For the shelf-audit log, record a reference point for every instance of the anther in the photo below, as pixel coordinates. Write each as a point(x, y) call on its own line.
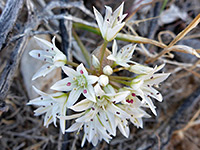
point(117, 112)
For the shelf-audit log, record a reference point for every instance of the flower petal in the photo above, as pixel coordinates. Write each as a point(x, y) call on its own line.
point(66, 84)
point(74, 127)
point(71, 116)
point(117, 111)
point(91, 79)
point(81, 70)
point(43, 71)
point(41, 55)
point(73, 96)
point(69, 71)
point(99, 19)
point(82, 105)
point(44, 44)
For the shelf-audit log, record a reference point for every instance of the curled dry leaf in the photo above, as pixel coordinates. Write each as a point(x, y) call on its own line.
point(184, 49)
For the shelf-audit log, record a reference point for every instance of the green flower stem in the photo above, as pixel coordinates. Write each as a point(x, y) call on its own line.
point(86, 27)
point(75, 65)
point(82, 47)
point(114, 86)
point(121, 81)
point(72, 63)
point(120, 78)
point(121, 36)
point(114, 64)
point(102, 52)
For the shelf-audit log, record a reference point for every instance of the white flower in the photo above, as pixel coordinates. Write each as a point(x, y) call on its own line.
point(112, 22)
point(123, 56)
point(142, 85)
point(103, 80)
point(53, 105)
point(132, 105)
point(50, 54)
point(77, 82)
point(101, 118)
point(107, 70)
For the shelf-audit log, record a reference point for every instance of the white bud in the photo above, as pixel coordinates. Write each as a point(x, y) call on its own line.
point(107, 70)
point(95, 62)
point(103, 80)
point(140, 69)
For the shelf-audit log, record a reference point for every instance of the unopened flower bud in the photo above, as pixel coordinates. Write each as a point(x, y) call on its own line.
point(107, 70)
point(140, 69)
point(103, 80)
point(95, 62)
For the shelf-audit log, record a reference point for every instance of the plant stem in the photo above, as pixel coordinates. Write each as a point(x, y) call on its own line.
point(102, 52)
point(75, 65)
point(121, 81)
point(120, 78)
point(82, 47)
point(121, 36)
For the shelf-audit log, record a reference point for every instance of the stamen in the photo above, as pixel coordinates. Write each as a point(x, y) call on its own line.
point(133, 94)
point(131, 101)
point(85, 91)
point(117, 112)
point(81, 71)
point(69, 83)
point(151, 77)
point(118, 18)
point(45, 59)
point(157, 93)
point(107, 19)
point(38, 54)
point(91, 119)
point(93, 108)
point(74, 78)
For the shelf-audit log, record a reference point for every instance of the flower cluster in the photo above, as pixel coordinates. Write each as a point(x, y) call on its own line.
point(111, 101)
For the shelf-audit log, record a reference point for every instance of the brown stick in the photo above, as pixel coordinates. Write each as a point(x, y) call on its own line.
point(8, 18)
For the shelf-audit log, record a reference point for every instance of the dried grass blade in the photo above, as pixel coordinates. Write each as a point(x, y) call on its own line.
point(192, 25)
